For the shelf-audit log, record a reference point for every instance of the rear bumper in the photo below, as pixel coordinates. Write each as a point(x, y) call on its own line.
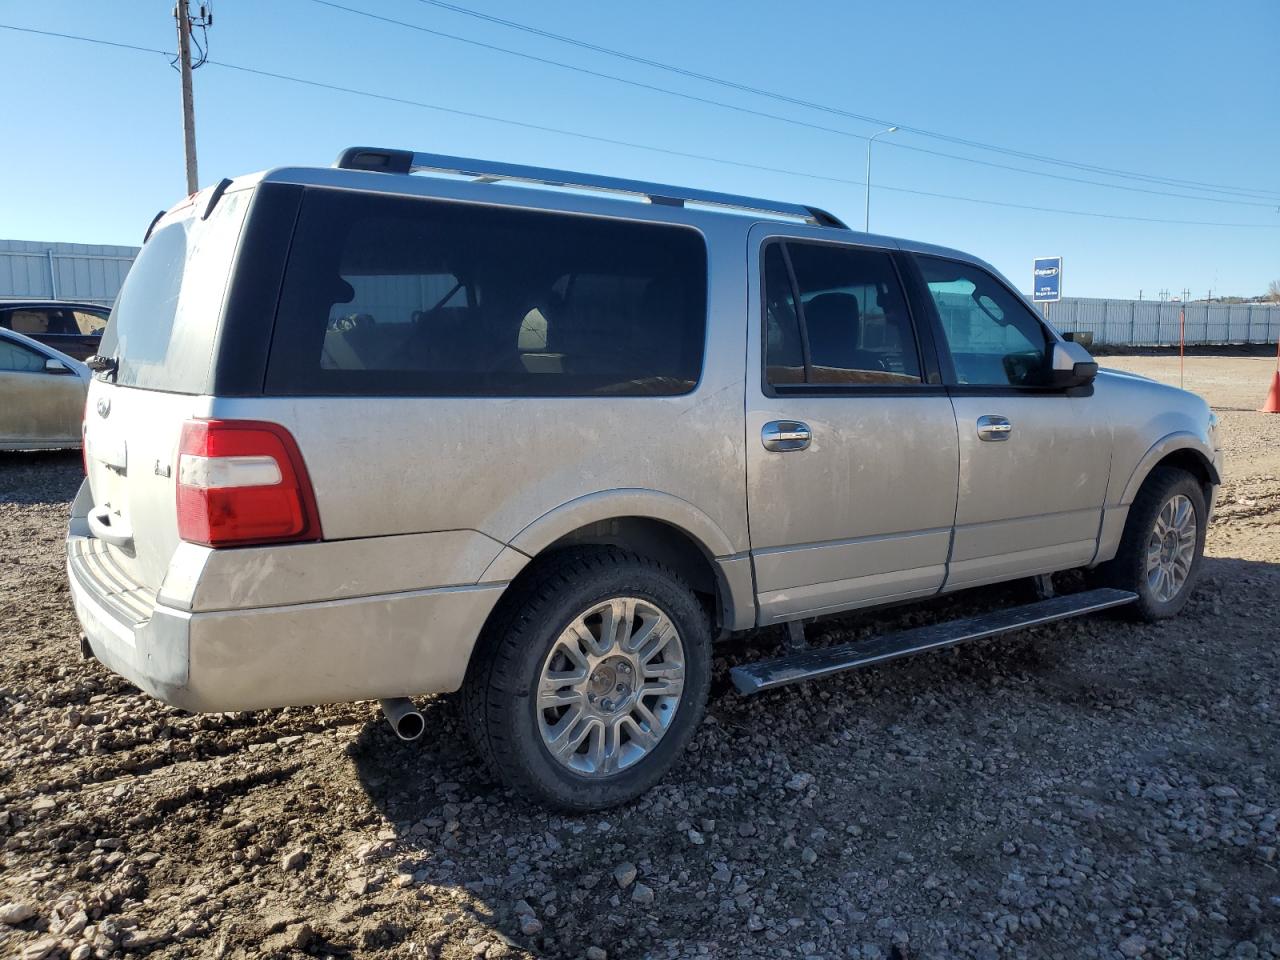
point(356, 648)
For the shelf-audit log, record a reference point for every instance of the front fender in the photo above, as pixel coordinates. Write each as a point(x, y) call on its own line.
point(1171, 443)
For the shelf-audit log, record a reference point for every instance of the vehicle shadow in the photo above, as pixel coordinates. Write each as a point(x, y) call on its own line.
point(544, 881)
point(40, 476)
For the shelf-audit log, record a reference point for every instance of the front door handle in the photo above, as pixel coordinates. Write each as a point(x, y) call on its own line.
point(782, 436)
point(994, 427)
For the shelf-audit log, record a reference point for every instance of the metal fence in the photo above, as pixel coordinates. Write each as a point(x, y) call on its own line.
point(94, 273)
point(1150, 323)
point(86, 272)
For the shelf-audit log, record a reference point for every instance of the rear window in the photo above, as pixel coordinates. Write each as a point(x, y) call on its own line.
point(163, 324)
point(395, 296)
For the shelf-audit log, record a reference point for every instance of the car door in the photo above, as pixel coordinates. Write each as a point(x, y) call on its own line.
point(1034, 461)
point(84, 331)
point(851, 442)
point(37, 405)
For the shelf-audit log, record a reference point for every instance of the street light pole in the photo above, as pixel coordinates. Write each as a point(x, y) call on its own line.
point(867, 223)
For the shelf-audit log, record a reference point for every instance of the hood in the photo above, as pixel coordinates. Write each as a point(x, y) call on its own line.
point(1124, 374)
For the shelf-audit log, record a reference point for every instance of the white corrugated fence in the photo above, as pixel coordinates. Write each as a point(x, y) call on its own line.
point(88, 272)
point(1153, 323)
point(94, 273)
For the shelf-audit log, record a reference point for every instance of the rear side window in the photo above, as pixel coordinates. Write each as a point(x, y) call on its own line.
point(34, 322)
point(18, 357)
point(49, 321)
point(163, 324)
point(854, 328)
point(390, 296)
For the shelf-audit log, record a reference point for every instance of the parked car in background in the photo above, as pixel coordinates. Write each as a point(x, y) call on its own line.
point(72, 328)
point(42, 395)
point(357, 434)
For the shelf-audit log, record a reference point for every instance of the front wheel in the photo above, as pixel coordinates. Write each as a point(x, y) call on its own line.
point(1162, 545)
point(590, 681)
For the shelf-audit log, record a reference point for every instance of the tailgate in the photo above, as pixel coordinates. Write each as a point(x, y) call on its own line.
point(161, 337)
point(131, 451)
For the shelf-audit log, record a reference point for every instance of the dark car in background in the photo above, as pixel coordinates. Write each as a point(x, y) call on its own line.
point(72, 328)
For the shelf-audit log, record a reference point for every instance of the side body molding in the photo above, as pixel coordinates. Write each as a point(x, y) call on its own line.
point(733, 567)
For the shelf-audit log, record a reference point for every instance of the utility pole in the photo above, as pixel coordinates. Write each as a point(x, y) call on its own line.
point(186, 25)
point(183, 16)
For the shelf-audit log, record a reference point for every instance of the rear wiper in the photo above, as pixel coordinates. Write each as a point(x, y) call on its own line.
point(100, 364)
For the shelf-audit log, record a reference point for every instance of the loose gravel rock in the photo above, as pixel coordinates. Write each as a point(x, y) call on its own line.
point(1092, 789)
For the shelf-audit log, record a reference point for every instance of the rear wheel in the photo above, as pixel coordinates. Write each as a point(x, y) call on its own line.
point(1162, 545)
point(590, 681)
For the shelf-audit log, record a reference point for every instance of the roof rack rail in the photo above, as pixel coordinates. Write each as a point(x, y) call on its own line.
point(488, 171)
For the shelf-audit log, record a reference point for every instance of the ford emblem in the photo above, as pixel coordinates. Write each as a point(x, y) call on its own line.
point(104, 406)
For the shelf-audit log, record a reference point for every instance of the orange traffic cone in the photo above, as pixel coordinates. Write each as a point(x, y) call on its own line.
point(1272, 404)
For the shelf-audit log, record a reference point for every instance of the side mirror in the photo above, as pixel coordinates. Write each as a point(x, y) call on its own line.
point(53, 365)
point(1070, 365)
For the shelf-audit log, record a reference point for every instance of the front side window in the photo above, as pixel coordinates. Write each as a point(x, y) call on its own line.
point(88, 324)
point(391, 296)
point(994, 339)
point(852, 315)
point(17, 357)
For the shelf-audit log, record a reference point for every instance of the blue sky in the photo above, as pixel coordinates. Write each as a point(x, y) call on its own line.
point(1173, 89)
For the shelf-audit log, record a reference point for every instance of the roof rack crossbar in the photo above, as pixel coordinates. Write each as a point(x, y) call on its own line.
point(488, 171)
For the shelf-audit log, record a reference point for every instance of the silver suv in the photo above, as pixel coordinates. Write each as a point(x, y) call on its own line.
point(359, 434)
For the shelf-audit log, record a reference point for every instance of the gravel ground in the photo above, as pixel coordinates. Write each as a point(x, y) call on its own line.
point(1090, 789)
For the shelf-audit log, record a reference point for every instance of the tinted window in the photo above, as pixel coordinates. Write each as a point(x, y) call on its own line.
point(784, 347)
point(856, 325)
point(88, 324)
point(993, 337)
point(34, 322)
point(164, 321)
point(394, 296)
point(19, 357)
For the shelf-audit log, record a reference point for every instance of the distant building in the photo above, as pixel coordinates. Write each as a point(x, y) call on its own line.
point(87, 272)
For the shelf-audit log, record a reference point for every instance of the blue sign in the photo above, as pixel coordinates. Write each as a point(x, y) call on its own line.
point(1046, 283)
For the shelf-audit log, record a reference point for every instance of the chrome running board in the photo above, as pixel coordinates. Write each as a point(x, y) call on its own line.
point(814, 664)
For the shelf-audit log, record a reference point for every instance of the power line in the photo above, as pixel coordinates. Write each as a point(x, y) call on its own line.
point(1257, 193)
point(524, 124)
point(72, 36)
point(771, 116)
point(712, 159)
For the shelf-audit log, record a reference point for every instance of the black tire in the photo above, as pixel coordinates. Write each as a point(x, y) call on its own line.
point(498, 700)
point(1128, 570)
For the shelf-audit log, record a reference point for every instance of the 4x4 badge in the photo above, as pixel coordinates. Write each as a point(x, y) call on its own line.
point(104, 406)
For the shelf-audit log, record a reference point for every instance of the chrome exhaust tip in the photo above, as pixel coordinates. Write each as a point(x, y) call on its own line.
point(404, 718)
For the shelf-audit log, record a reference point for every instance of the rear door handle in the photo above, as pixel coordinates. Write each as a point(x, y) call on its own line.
point(994, 427)
point(782, 436)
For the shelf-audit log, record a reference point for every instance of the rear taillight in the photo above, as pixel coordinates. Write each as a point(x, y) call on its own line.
point(242, 482)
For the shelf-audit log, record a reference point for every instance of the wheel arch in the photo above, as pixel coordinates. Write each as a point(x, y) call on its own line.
point(1184, 450)
point(661, 526)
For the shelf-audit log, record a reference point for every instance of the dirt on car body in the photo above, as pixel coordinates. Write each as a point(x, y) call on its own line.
point(1087, 789)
